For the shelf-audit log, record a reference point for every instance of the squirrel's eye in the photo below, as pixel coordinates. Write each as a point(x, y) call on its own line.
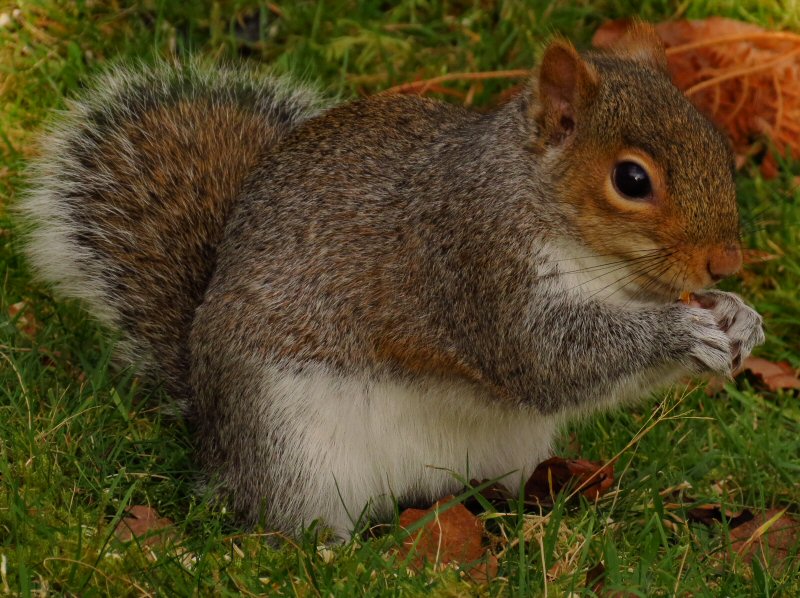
point(631, 180)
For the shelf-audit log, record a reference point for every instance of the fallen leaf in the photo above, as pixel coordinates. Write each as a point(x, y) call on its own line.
point(677, 500)
point(712, 513)
point(452, 536)
point(555, 475)
point(595, 578)
point(144, 524)
point(548, 479)
point(483, 572)
point(775, 376)
point(773, 536)
point(21, 313)
point(47, 357)
point(744, 77)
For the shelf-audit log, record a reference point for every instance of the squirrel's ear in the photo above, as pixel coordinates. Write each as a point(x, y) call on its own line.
point(566, 83)
point(641, 43)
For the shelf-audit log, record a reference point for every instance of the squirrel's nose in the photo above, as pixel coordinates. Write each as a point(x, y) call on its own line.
point(724, 261)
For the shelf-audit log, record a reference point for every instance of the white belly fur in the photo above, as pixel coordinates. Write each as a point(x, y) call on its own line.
point(365, 441)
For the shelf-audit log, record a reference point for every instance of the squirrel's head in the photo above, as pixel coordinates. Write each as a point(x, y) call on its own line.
point(651, 179)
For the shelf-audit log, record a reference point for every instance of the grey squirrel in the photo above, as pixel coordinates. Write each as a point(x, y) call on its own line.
point(353, 302)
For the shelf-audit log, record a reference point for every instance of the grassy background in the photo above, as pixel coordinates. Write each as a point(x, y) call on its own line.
point(80, 440)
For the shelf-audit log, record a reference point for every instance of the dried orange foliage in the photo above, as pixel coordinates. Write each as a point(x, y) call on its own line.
point(747, 79)
point(551, 477)
point(145, 524)
point(775, 376)
point(453, 536)
point(22, 314)
point(590, 478)
point(772, 537)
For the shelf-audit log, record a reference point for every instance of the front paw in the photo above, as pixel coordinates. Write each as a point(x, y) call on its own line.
point(741, 323)
point(698, 341)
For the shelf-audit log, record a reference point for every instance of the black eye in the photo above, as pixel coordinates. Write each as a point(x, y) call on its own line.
point(631, 180)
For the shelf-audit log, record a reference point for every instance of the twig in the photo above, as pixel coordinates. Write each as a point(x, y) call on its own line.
point(729, 39)
point(744, 94)
point(742, 72)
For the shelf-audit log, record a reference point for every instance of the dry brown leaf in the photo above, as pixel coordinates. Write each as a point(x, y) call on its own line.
point(746, 78)
point(711, 513)
point(775, 376)
point(707, 513)
point(48, 358)
point(595, 578)
point(145, 524)
point(773, 536)
point(452, 536)
point(549, 478)
point(24, 318)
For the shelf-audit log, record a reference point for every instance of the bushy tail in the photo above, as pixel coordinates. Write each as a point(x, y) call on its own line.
point(131, 193)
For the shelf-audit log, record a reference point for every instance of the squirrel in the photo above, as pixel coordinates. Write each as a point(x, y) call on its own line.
point(354, 303)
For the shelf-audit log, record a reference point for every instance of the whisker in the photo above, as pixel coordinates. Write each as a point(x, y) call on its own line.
point(654, 259)
point(617, 253)
point(651, 283)
point(653, 276)
point(653, 272)
point(635, 273)
point(609, 264)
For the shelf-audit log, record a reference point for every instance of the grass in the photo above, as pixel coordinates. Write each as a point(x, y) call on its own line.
point(80, 440)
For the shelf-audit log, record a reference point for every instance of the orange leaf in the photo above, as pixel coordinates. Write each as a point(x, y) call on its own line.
point(772, 535)
point(710, 513)
point(143, 523)
point(557, 474)
point(775, 376)
point(453, 536)
point(25, 321)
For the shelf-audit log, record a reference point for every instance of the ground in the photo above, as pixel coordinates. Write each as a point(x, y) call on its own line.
point(82, 440)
